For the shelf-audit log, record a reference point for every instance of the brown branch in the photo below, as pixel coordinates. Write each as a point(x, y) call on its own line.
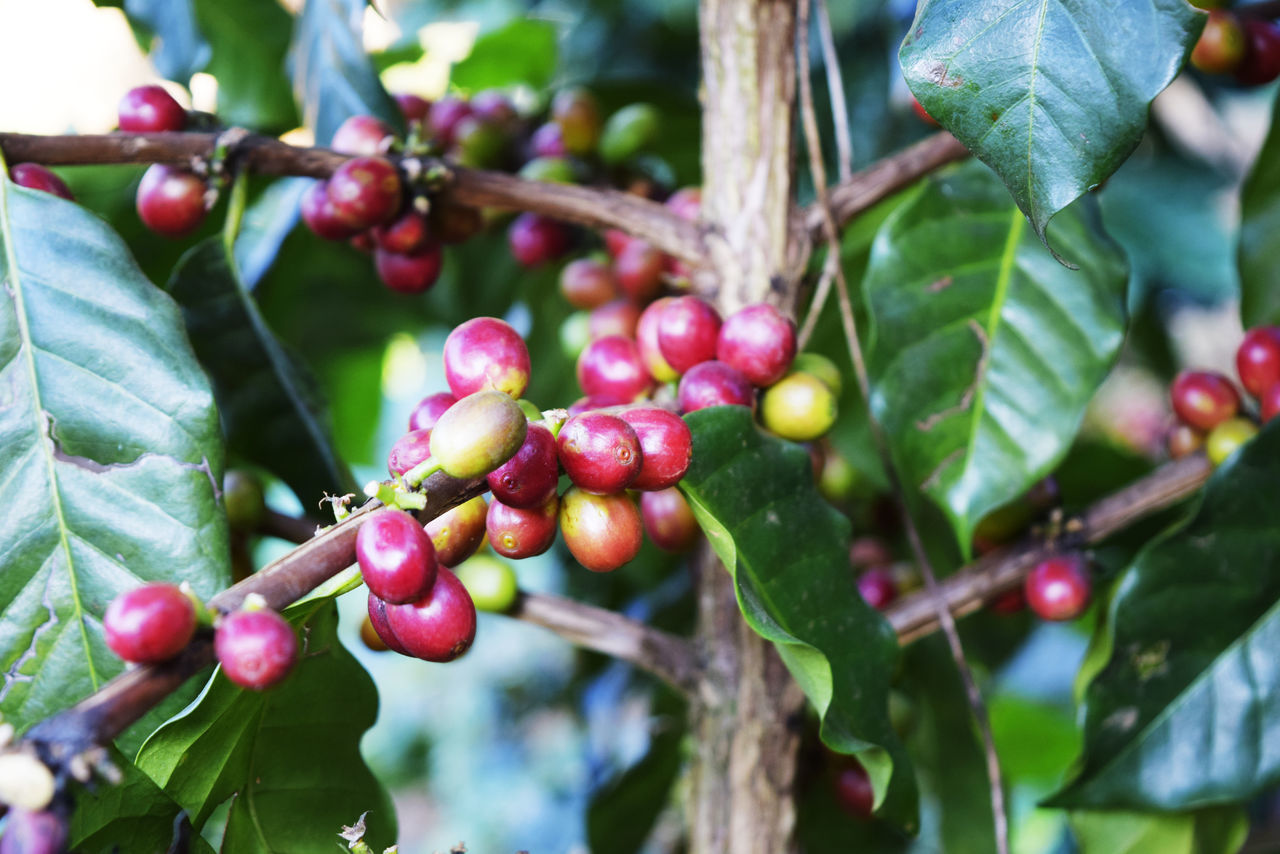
point(596, 208)
point(884, 178)
point(1004, 569)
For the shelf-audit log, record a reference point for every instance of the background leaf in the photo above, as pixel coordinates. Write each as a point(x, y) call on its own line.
point(788, 551)
point(272, 407)
point(523, 51)
point(984, 350)
point(167, 29)
point(1259, 222)
point(1191, 633)
point(109, 446)
point(1217, 830)
point(250, 42)
point(268, 219)
point(1051, 94)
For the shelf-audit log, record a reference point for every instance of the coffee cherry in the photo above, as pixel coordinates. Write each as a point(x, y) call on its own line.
point(530, 477)
point(486, 353)
point(170, 202)
point(619, 317)
point(494, 106)
point(687, 332)
point(1270, 403)
point(821, 367)
point(646, 335)
point(639, 269)
point(686, 203)
point(243, 498)
point(320, 215)
point(150, 109)
point(477, 434)
point(369, 636)
point(429, 409)
point(759, 341)
point(1058, 588)
point(799, 407)
point(406, 234)
point(396, 556)
point(878, 587)
point(615, 241)
point(866, 552)
point(714, 384)
point(922, 114)
point(361, 136)
point(1261, 63)
point(600, 452)
point(610, 368)
point(1224, 439)
point(438, 627)
point(149, 624)
point(413, 273)
point(1258, 359)
point(256, 649)
point(628, 132)
point(35, 177)
point(1221, 46)
point(33, 832)
point(666, 446)
point(575, 111)
point(1184, 440)
point(602, 531)
point(453, 224)
point(412, 107)
point(668, 519)
point(588, 283)
point(838, 479)
point(491, 583)
point(536, 240)
point(547, 141)
point(1204, 399)
point(457, 533)
point(551, 170)
point(853, 789)
point(479, 143)
point(409, 450)
point(1010, 602)
point(377, 619)
point(365, 191)
point(519, 533)
point(445, 116)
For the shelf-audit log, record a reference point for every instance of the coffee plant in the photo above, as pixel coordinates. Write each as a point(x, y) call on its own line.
point(866, 391)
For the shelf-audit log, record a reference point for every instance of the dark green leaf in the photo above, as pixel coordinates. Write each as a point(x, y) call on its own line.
point(1216, 830)
point(274, 413)
point(1259, 222)
point(133, 815)
point(264, 748)
point(524, 51)
point(1051, 94)
point(788, 551)
point(1189, 655)
point(110, 455)
point(333, 77)
point(250, 40)
point(267, 222)
point(984, 350)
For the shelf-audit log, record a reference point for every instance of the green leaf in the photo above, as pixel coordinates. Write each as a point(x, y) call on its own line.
point(250, 41)
point(1259, 219)
point(264, 748)
point(984, 351)
point(523, 51)
point(333, 77)
point(110, 455)
point(1051, 94)
point(132, 815)
point(273, 409)
point(787, 549)
point(1189, 658)
point(267, 222)
point(1217, 830)
point(167, 29)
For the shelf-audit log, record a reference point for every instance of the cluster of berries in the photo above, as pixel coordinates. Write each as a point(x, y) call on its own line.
point(1209, 408)
point(1245, 46)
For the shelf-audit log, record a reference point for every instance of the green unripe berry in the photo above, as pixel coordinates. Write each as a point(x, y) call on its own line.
point(799, 407)
point(477, 434)
point(242, 495)
point(553, 170)
point(1226, 437)
point(821, 367)
point(628, 132)
point(490, 581)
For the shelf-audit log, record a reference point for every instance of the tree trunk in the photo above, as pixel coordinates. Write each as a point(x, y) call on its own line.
point(747, 713)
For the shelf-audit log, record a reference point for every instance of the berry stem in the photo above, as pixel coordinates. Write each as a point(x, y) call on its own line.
point(235, 210)
point(423, 470)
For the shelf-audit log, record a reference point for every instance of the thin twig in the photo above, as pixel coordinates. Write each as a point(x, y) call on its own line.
point(593, 207)
point(835, 83)
point(976, 704)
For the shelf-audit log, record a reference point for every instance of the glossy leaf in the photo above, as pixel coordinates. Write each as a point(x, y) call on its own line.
point(250, 42)
point(264, 748)
point(1216, 830)
point(522, 52)
point(267, 222)
point(1181, 714)
point(272, 408)
point(167, 29)
point(1052, 94)
point(787, 549)
point(333, 77)
point(1259, 220)
point(110, 454)
point(984, 350)
point(132, 815)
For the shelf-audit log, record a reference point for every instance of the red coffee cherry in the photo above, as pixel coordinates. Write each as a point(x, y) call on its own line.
point(457, 533)
point(600, 452)
point(529, 478)
point(1261, 63)
point(588, 283)
point(1222, 44)
point(35, 177)
point(666, 446)
point(1010, 602)
point(438, 627)
point(610, 368)
point(536, 240)
point(714, 384)
point(320, 215)
point(33, 832)
point(1204, 399)
point(639, 269)
point(486, 353)
point(519, 533)
point(866, 552)
point(378, 621)
point(256, 649)
point(1258, 359)
point(361, 136)
point(878, 587)
point(686, 203)
point(613, 318)
point(853, 789)
point(406, 234)
point(170, 202)
point(453, 224)
point(365, 191)
point(547, 141)
point(149, 624)
point(446, 114)
point(150, 109)
point(412, 107)
point(602, 531)
point(647, 342)
point(687, 331)
point(1058, 588)
point(759, 341)
point(494, 106)
point(396, 556)
point(1270, 403)
point(429, 409)
point(409, 450)
point(412, 273)
point(668, 519)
